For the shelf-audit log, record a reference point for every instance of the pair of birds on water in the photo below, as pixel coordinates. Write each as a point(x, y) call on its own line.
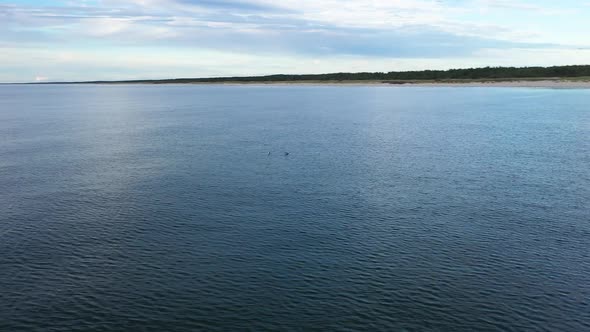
point(284, 154)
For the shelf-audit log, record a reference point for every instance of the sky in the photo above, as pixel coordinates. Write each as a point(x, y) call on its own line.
point(65, 40)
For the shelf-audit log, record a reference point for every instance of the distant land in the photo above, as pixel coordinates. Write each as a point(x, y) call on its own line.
point(578, 74)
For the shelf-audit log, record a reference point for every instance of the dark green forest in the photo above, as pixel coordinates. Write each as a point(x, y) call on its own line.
point(487, 73)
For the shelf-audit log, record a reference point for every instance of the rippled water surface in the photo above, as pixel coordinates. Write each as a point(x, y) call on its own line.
point(159, 208)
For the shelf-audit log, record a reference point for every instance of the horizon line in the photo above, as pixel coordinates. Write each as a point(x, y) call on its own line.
point(254, 77)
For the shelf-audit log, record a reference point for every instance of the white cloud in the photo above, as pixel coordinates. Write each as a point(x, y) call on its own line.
point(163, 38)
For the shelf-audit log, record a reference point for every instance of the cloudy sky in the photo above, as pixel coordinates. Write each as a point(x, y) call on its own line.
point(131, 39)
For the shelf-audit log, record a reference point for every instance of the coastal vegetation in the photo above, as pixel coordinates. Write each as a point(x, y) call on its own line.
point(452, 75)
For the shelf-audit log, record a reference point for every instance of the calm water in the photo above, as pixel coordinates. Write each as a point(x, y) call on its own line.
point(159, 208)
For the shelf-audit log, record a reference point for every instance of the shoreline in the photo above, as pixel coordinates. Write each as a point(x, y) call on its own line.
point(544, 83)
point(553, 84)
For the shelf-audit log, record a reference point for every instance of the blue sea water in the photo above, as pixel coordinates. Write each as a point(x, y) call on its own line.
point(175, 208)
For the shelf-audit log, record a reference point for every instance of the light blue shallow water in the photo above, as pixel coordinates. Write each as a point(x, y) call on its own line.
point(159, 208)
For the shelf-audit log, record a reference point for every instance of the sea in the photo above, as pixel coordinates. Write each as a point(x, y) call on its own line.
point(294, 208)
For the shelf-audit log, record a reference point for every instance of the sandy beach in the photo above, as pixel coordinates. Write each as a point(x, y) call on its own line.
point(541, 83)
point(553, 84)
point(548, 84)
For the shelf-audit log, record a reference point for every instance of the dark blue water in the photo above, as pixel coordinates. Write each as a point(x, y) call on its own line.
point(159, 208)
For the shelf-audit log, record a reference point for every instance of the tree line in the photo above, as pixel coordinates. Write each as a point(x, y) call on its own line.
point(491, 73)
